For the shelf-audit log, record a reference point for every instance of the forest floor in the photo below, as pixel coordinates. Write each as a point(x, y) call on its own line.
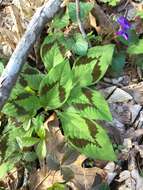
point(122, 87)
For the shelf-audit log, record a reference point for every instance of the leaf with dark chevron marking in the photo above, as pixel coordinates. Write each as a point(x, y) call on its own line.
point(89, 104)
point(86, 136)
point(51, 56)
point(30, 77)
point(56, 86)
point(89, 70)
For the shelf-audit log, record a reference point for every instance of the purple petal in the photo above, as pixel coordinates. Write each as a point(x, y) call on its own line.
point(123, 34)
point(123, 23)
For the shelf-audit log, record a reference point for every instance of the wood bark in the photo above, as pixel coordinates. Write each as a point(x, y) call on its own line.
point(20, 54)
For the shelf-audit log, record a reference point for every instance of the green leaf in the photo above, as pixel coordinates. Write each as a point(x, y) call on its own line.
point(18, 89)
point(28, 102)
point(4, 168)
point(24, 103)
point(89, 104)
point(89, 70)
point(56, 86)
point(118, 63)
point(86, 136)
point(111, 2)
point(50, 57)
point(102, 186)
point(104, 55)
point(39, 126)
point(10, 110)
point(80, 46)
point(136, 48)
point(61, 22)
point(1, 67)
point(14, 135)
point(83, 71)
point(85, 8)
point(29, 141)
point(30, 77)
point(12, 145)
point(27, 124)
point(132, 36)
point(139, 60)
point(102, 148)
point(15, 158)
point(75, 126)
point(29, 156)
point(140, 14)
point(41, 149)
point(57, 186)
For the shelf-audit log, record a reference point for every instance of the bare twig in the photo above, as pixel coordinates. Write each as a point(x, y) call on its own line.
point(17, 60)
point(37, 186)
point(80, 23)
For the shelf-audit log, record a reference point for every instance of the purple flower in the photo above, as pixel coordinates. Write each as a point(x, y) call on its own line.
point(124, 27)
point(124, 24)
point(123, 34)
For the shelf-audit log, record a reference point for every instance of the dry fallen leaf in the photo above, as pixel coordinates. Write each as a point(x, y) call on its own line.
point(8, 37)
point(93, 23)
point(84, 178)
point(17, 20)
point(43, 178)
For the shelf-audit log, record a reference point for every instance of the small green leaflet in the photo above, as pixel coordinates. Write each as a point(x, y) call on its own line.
point(41, 149)
point(15, 144)
point(60, 22)
point(85, 8)
point(111, 2)
point(80, 46)
point(51, 56)
point(27, 124)
point(29, 156)
point(89, 104)
point(86, 136)
point(58, 186)
point(89, 70)
point(30, 77)
point(1, 67)
point(56, 86)
point(4, 168)
point(18, 89)
point(27, 141)
point(39, 126)
point(118, 63)
point(136, 48)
